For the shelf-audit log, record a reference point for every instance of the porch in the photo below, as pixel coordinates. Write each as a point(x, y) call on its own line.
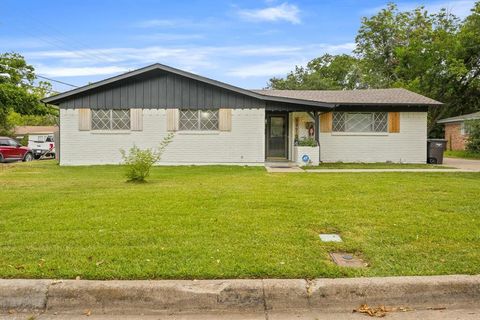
point(292, 138)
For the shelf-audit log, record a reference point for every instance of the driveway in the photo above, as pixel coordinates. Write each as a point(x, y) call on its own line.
point(462, 163)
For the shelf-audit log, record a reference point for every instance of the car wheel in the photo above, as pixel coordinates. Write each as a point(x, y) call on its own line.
point(1, 158)
point(28, 157)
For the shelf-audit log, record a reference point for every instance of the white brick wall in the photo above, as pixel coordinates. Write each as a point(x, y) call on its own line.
point(244, 144)
point(409, 146)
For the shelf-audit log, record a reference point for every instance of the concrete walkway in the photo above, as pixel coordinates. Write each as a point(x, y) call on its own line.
point(390, 170)
point(465, 164)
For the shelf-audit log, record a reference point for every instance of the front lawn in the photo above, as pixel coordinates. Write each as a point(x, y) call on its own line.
point(462, 154)
point(233, 222)
point(375, 165)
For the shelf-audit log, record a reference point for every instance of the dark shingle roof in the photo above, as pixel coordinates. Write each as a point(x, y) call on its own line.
point(470, 116)
point(355, 97)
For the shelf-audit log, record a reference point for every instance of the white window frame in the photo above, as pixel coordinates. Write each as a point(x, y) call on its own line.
point(198, 126)
point(111, 120)
point(342, 116)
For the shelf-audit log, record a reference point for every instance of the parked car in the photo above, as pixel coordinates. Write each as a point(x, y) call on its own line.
point(12, 150)
point(42, 144)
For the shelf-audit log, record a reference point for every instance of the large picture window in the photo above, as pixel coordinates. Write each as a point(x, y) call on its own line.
point(198, 120)
point(360, 122)
point(116, 119)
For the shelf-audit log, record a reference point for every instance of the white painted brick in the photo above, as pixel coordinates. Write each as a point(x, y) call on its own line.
point(244, 144)
point(408, 146)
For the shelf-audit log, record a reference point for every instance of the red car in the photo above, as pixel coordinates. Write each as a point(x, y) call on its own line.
point(11, 150)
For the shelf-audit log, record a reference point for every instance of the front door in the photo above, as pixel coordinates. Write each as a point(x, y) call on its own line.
point(277, 136)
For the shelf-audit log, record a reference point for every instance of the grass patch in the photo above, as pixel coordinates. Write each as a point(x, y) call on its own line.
point(462, 154)
point(233, 222)
point(375, 165)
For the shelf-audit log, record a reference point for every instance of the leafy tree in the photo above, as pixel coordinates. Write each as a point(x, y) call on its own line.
point(473, 141)
point(325, 72)
point(18, 92)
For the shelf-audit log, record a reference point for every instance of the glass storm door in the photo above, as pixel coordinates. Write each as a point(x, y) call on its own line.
point(277, 141)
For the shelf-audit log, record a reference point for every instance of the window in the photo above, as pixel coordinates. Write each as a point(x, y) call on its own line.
point(118, 119)
point(198, 120)
point(4, 143)
point(360, 122)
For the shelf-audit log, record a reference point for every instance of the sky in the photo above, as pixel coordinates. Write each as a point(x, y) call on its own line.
point(244, 43)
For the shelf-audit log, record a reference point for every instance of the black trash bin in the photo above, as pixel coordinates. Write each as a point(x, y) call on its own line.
point(435, 149)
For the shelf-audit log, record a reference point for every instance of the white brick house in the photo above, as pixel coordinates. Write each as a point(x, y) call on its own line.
point(216, 123)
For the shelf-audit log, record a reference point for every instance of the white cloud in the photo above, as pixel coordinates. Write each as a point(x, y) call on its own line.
point(227, 63)
point(78, 71)
point(266, 69)
point(171, 36)
point(285, 11)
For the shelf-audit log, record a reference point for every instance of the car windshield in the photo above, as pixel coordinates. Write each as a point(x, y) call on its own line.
point(14, 143)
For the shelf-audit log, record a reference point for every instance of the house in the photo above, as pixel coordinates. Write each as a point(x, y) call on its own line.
point(456, 133)
point(21, 131)
point(217, 123)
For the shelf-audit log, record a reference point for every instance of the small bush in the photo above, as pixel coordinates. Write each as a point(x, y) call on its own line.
point(138, 162)
point(473, 141)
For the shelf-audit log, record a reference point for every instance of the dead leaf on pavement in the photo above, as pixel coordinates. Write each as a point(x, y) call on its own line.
point(380, 311)
point(87, 312)
point(12, 311)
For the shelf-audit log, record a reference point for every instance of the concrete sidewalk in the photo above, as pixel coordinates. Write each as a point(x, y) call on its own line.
point(250, 296)
point(465, 164)
point(389, 170)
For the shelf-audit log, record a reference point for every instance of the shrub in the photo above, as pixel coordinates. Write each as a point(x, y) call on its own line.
point(473, 141)
point(138, 162)
point(307, 142)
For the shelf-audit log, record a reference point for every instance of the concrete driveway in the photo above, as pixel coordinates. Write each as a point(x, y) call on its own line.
point(462, 163)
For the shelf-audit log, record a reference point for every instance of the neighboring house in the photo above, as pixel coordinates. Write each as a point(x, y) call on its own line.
point(21, 131)
point(456, 133)
point(217, 123)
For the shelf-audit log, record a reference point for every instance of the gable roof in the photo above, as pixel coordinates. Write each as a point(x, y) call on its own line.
point(56, 99)
point(396, 96)
point(470, 116)
point(323, 99)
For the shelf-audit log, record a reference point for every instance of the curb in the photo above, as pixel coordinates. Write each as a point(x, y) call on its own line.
point(243, 296)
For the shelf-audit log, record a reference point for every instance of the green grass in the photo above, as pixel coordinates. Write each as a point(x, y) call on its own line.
point(376, 165)
point(462, 154)
point(233, 222)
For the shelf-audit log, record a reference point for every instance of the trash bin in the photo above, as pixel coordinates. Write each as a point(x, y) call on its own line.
point(435, 149)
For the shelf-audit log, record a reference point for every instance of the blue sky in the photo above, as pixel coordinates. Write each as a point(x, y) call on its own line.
point(239, 42)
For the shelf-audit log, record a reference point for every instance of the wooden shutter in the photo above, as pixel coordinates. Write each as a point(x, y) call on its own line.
point(136, 119)
point(394, 122)
point(225, 119)
point(326, 122)
point(172, 119)
point(84, 119)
